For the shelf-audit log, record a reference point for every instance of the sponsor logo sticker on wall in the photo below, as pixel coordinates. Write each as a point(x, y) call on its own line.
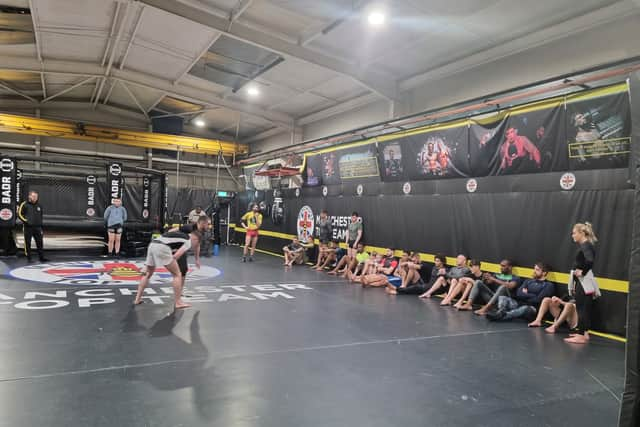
point(103, 273)
point(472, 185)
point(406, 188)
point(359, 190)
point(325, 191)
point(305, 224)
point(567, 181)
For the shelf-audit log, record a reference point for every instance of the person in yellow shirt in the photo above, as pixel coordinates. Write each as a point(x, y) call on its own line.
point(251, 221)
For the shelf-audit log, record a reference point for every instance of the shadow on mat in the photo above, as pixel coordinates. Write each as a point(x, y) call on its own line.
point(184, 367)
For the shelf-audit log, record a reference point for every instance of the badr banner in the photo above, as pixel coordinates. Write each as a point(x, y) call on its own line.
point(114, 181)
point(8, 172)
point(146, 197)
point(18, 186)
point(92, 183)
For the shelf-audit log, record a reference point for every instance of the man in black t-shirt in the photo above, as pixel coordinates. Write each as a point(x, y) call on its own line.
point(170, 251)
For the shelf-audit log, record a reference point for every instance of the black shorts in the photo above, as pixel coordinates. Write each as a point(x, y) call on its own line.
point(183, 265)
point(352, 244)
point(115, 229)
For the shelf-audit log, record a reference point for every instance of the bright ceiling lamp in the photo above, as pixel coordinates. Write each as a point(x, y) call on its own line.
point(253, 91)
point(376, 18)
point(199, 122)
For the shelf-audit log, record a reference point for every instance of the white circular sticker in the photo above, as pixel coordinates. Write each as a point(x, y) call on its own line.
point(91, 212)
point(305, 224)
point(325, 191)
point(359, 189)
point(297, 192)
point(115, 169)
point(406, 188)
point(145, 213)
point(6, 214)
point(104, 272)
point(567, 181)
point(6, 165)
point(472, 185)
point(91, 179)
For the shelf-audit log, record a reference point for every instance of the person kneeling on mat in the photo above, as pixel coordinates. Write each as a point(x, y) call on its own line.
point(114, 217)
point(170, 251)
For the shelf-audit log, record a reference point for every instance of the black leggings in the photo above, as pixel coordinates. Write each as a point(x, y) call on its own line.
point(36, 233)
point(417, 289)
point(584, 305)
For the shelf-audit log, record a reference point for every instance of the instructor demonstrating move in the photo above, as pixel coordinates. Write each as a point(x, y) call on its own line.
point(115, 217)
point(30, 212)
point(251, 221)
point(170, 251)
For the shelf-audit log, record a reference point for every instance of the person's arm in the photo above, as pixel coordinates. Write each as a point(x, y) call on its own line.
point(107, 212)
point(259, 221)
point(21, 213)
point(125, 215)
point(346, 236)
point(359, 236)
point(390, 269)
point(183, 249)
point(195, 244)
point(547, 290)
point(242, 221)
point(513, 284)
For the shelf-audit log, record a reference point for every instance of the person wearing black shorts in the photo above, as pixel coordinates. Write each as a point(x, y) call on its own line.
point(354, 234)
point(114, 217)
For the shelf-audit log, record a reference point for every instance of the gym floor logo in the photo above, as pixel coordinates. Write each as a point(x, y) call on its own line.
point(101, 273)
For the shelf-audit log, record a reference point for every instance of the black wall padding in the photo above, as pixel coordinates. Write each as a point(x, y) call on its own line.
point(630, 408)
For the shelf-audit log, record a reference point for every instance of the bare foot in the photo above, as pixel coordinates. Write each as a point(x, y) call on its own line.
point(465, 307)
point(534, 324)
point(550, 330)
point(445, 302)
point(332, 272)
point(425, 295)
point(138, 302)
point(577, 339)
point(181, 304)
point(480, 312)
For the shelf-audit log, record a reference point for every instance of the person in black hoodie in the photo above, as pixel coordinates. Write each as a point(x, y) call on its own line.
point(30, 212)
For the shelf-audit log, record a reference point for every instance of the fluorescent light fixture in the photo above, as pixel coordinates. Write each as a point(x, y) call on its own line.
point(253, 91)
point(199, 122)
point(376, 18)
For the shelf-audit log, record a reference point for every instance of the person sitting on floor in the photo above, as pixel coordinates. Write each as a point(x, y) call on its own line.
point(293, 252)
point(349, 263)
point(367, 267)
point(326, 256)
point(466, 284)
point(383, 271)
point(482, 289)
point(562, 309)
point(451, 279)
point(506, 284)
point(412, 283)
point(528, 297)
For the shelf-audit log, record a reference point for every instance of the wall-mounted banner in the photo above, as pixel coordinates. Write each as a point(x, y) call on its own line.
point(358, 162)
point(313, 171)
point(114, 181)
point(146, 197)
point(8, 172)
point(18, 186)
point(92, 182)
point(165, 198)
point(598, 131)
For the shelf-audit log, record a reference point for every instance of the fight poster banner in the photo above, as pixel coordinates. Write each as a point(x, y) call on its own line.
point(598, 130)
point(390, 158)
point(18, 186)
point(92, 183)
point(146, 197)
point(8, 172)
point(313, 170)
point(358, 162)
point(114, 181)
point(436, 154)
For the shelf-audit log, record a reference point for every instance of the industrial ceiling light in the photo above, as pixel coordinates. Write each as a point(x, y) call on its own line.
point(253, 91)
point(199, 122)
point(376, 18)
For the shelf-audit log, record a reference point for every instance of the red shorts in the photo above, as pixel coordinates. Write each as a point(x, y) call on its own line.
point(252, 233)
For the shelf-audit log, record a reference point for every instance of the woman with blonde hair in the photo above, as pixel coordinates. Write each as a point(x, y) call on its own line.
point(582, 284)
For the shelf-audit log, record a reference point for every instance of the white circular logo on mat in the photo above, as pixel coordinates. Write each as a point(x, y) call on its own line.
point(297, 192)
point(6, 214)
point(91, 212)
point(305, 224)
point(472, 185)
point(6, 165)
point(406, 188)
point(568, 181)
point(115, 169)
point(91, 179)
point(101, 273)
point(325, 191)
point(359, 189)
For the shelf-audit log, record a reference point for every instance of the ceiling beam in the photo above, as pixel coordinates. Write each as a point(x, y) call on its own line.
point(181, 91)
point(69, 89)
point(36, 30)
point(185, 113)
point(197, 58)
point(266, 134)
point(382, 84)
point(57, 108)
point(240, 8)
point(7, 86)
point(133, 36)
point(135, 100)
point(326, 27)
point(338, 109)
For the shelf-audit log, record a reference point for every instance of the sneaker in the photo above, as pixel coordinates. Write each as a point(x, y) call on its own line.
point(29, 260)
point(244, 259)
point(250, 259)
point(43, 259)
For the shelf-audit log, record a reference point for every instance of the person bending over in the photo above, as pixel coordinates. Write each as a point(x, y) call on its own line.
point(466, 284)
point(170, 251)
point(293, 252)
point(528, 297)
point(562, 310)
point(114, 217)
point(505, 282)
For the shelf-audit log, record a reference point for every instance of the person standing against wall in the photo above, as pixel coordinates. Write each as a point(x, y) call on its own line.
point(30, 212)
point(325, 233)
point(251, 221)
point(354, 234)
point(582, 284)
point(114, 218)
